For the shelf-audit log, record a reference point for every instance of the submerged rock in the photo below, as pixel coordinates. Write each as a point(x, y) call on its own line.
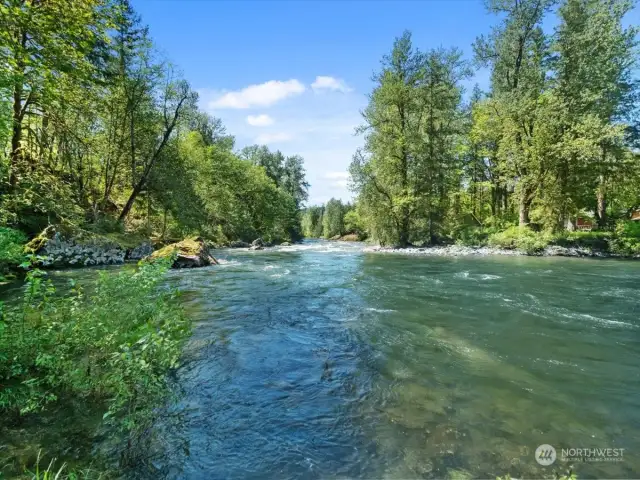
point(191, 253)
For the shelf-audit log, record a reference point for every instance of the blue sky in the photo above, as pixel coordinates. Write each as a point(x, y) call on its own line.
point(295, 74)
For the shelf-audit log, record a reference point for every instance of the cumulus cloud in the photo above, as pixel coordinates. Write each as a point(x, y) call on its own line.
point(329, 83)
point(262, 120)
point(261, 95)
point(267, 138)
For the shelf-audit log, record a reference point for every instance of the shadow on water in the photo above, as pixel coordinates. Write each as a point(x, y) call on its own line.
point(320, 361)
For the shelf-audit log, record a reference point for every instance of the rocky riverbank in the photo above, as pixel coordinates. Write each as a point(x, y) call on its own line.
point(464, 251)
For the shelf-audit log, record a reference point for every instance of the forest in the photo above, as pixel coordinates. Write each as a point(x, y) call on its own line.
point(101, 134)
point(551, 146)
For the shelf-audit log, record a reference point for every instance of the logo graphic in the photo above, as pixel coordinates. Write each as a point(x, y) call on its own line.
point(545, 455)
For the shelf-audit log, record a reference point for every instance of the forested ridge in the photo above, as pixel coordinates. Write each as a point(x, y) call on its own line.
point(553, 143)
point(100, 133)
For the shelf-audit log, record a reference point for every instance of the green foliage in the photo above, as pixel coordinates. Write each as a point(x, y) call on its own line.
point(11, 250)
point(99, 131)
point(404, 173)
point(628, 228)
point(112, 347)
point(353, 223)
point(521, 238)
point(593, 240)
point(553, 138)
point(332, 220)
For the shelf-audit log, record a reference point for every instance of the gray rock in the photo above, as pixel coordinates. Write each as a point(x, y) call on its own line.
point(141, 251)
point(257, 243)
point(285, 244)
point(256, 247)
point(239, 244)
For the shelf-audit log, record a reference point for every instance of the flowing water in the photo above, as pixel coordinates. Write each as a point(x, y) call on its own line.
point(321, 361)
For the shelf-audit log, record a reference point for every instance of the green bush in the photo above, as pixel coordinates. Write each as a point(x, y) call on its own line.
point(520, 238)
point(111, 349)
point(628, 228)
point(11, 250)
point(593, 240)
point(472, 235)
point(625, 246)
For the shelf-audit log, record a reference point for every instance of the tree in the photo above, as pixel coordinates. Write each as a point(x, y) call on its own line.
point(412, 125)
point(596, 100)
point(516, 51)
point(332, 223)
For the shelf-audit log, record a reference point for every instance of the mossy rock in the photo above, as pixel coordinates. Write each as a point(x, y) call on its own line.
point(351, 237)
point(40, 241)
point(191, 253)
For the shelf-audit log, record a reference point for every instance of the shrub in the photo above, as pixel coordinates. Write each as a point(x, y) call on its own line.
point(11, 249)
point(521, 238)
point(593, 240)
point(112, 348)
point(627, 228)
point(625, 246)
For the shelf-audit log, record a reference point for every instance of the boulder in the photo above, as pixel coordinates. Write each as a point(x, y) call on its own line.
point(239, 244)
point(256, 247)
point(335, 237)
point(257, 243)
point(351, 237)
point(56, 250)
point(191, 253)
point(285, 244)
point(141, 251)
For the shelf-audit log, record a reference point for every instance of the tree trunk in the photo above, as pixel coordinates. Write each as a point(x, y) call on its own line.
point(602, 203)
point(132, 198)
point(16, 134)
point(525, 205)
point(404, 228)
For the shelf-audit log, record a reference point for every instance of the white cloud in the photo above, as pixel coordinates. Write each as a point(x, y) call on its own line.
point(261, 95)
point(259, 120)
point(267, 138)
point(340, 183)
point(337, 175)
point(329, 83)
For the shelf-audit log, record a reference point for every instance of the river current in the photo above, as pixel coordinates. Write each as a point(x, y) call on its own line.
point(321, 361)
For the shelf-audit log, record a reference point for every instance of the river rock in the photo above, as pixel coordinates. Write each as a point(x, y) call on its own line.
point(239, 244)
point(191, 253)
point(256, 247)
point(257, 243)
point(285, 244)
point(141, 251)
point(55, 250)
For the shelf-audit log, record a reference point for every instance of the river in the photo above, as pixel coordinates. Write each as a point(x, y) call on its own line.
point(321, 361)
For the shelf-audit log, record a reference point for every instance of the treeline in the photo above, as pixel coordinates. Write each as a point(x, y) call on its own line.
point(553, 140)
point(334, 219)
point(99, 132)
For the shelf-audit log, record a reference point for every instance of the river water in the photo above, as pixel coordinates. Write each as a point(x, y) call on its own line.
point(321, 361)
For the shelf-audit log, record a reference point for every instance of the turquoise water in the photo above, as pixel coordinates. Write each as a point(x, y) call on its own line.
point(321, 361)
